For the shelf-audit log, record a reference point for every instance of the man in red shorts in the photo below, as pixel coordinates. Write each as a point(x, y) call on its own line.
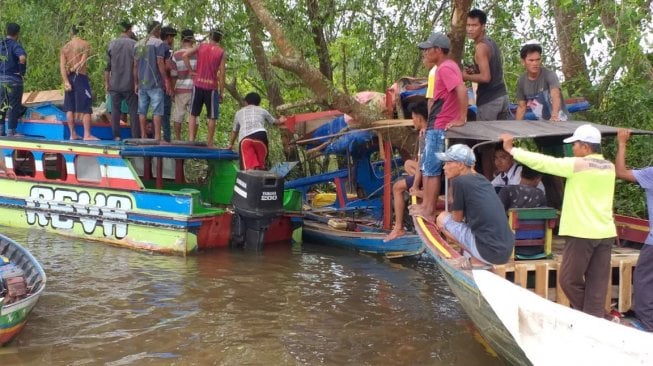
point(249, 126)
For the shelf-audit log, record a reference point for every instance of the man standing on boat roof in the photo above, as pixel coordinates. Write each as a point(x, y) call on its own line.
point(13, 65)
point(119, 80)
point(168, 35)
point(448, 109)
point(153, 81)
point(491, 94)
point(208, 82)
point(182, 83)
point(539, 87)
point(77, 97)
point(477, 220)
point(249, 126)
point(586, 217)
point(643, 276)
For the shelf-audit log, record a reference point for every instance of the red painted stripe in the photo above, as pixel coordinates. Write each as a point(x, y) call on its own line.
point(120, 183)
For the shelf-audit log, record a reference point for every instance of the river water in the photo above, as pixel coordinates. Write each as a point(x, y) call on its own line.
point(299, 305)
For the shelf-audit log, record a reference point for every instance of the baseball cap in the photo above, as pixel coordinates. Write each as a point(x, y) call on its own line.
point(585, 133)
point(459, 153)
point(436, 39)
point(187, 35)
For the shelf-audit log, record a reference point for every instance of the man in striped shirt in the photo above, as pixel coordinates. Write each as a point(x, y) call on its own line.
point(182, 82)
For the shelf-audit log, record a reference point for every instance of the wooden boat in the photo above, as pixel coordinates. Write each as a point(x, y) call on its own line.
point(520, 314)
point(13, 314)
point(359, 216)
point(173, 198)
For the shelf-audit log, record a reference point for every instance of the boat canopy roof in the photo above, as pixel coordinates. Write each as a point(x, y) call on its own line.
point(177, 152)
point(489, 131)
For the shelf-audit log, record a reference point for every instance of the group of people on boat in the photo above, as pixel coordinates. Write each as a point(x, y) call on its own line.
point(142, 76)
point(477, 219)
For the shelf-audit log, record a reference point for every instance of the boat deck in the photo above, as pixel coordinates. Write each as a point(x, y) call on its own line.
point(540, 276)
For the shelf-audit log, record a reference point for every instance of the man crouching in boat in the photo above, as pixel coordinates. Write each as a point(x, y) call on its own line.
point(485, 234)
point(249, 126)
point(586, 217)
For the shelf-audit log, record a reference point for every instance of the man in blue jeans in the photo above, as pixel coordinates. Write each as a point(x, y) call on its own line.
point(448, 108)
point(153, 81)
point(13, 64)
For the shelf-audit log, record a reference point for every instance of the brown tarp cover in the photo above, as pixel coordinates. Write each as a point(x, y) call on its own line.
point(489, 131)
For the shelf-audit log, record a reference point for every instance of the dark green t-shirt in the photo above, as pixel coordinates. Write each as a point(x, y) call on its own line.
point(485, 216)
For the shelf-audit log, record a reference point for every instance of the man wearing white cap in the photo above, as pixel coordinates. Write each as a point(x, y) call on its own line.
point(586, 216)
point(484, 233)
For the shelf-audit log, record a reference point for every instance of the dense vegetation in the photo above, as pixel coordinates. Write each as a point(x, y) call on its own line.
point(598, 46)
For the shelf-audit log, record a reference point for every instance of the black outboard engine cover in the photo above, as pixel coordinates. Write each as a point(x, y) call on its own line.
point(257, 200)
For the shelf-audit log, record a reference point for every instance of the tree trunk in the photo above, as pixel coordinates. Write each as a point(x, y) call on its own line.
point(317, 28)
point(458, 24)
point(262, 63)
point(290, 59)
point(574, 68)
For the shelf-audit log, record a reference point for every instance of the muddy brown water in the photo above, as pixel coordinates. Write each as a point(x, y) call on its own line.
point(289, 305)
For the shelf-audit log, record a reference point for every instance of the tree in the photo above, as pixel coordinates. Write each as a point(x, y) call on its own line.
point(290, 59)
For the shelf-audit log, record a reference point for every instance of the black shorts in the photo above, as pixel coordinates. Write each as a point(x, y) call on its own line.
point(204, 97)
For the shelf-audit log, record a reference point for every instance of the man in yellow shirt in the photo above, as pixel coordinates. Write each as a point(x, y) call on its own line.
point(586, 217)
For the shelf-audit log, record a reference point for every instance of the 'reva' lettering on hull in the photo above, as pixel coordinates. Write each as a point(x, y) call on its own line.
point(61, 208)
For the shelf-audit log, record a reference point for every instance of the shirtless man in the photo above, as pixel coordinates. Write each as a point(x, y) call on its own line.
point(77, 98)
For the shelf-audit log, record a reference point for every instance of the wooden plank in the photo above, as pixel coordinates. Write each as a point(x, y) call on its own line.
point(500, 270)
point(42, 96)
point(521, 275)
point(608, 296)
point(625, 286)
point(542, 279)
point(561, 298)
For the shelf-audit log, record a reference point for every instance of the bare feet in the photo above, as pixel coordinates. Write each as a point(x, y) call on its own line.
point(394, 234)
point(416, 210)
point(90, 138)
point(75, 137)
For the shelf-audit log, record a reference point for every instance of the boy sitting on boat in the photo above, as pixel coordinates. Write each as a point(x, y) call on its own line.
point(526, 194)
point(412, 181)
point(484, 233)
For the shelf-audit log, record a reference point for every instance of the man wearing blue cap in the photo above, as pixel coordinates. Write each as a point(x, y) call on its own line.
point(477, 220)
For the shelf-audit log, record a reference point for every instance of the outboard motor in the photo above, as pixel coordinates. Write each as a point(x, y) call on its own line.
point(257, 200)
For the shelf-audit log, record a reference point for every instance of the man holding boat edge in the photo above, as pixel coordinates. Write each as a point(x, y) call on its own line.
point(586, 216)
point(643, 275)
